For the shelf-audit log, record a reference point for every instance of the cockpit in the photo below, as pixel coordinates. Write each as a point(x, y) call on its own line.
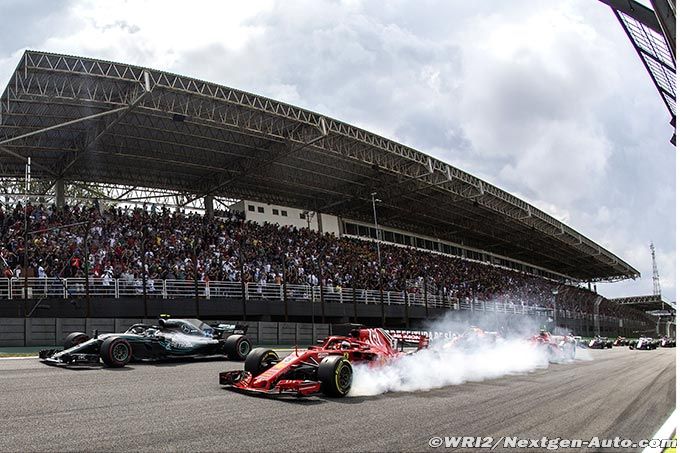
point(187, 326)
point(341, 344)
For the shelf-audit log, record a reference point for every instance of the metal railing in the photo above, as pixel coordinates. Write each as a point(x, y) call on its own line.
point(66, 288)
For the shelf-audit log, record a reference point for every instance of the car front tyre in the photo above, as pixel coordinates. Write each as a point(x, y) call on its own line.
point(260, 360)
point(335, 374)
point(115, 352)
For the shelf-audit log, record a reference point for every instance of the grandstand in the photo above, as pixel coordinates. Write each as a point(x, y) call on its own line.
point(126, 135)
point(655, 306)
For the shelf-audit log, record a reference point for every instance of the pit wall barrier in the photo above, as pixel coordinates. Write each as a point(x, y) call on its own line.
point(47, 331)
point(52, 331)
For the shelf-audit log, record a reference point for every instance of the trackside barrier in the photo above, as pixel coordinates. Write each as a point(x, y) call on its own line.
point(69, 288)
point(53, 331)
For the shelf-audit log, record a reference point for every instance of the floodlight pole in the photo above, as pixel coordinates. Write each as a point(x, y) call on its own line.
point(377, 243)
point(144, 293)
point(321, 297)
point(198, 305)
point(27, 189)
point(241, 250)
point(375, 223)
point(284, 285)
point(86, 265)
point(555, 292)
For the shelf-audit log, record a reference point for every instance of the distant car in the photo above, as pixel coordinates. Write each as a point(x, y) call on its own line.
point(600, 343)
point(621, 341)
point(667, 342)
point(644, 343)
point(580, 342)
point(472, 339)
point(171, 338)
point(557, 347)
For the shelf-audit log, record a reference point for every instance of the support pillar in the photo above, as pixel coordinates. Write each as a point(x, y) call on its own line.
point(596, 316)
point(61, 196)
point(319, 222)
point(209, 207)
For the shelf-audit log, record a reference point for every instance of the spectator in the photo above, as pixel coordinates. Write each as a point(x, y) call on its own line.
point(134, 245)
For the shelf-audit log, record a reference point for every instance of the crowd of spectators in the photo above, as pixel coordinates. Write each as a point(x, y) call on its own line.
point(151, 244)
point(581, 301)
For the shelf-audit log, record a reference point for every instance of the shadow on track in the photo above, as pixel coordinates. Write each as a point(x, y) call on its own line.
point(166, 362)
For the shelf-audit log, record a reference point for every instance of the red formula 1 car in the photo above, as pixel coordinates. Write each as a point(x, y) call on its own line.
point(472, 339)
point(326, 368)
point(620, 341)
point(557, 347)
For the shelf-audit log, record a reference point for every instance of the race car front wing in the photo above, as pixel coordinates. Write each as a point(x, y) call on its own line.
point(58, 357)
point(242, 381)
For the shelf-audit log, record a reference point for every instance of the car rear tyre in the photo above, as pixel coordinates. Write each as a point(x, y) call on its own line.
point(335, 374)
point(74, 339)
point(115, 352)
point(260, 360)
point(237, 347)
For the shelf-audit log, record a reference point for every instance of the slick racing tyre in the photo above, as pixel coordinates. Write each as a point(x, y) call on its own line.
point(74, 339)
point(115, 352)
point(237, 347)
point(260, 360)
point(335, 375)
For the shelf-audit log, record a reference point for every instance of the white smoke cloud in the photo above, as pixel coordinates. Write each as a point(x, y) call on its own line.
point(444, 364)
point(435, 368)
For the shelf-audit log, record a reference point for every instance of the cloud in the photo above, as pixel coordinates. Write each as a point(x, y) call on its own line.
point(28, 23)
point(546, 100)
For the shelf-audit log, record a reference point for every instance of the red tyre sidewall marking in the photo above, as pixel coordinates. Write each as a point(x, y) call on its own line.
point(110, 351)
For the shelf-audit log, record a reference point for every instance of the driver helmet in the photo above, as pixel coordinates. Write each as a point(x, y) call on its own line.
point(345, 344)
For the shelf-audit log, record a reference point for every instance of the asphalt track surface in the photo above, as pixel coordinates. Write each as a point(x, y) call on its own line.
point(180, 407)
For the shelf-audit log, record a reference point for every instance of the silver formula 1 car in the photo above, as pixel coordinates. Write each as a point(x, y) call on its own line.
point(644, 343)
point(171, 338)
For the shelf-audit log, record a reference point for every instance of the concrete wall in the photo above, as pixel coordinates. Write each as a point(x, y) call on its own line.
point(12, 332)
point(54, 318)
point(53, 331)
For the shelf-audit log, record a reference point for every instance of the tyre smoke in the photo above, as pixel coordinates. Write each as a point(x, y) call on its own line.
point(450, 362)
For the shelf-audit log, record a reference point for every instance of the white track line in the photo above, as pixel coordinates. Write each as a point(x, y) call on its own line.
point(35, 356)
point(665, 432)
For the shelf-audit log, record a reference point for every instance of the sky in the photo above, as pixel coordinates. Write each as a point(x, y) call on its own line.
point(546, 100)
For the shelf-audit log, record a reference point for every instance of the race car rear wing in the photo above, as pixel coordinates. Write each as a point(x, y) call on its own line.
point(232, 329)
point(404, 337)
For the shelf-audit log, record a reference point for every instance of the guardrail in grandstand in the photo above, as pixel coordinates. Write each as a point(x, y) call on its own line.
point(66, 288)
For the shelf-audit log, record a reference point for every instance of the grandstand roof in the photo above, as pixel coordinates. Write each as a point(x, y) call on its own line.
point(652, 33)
point(82, 119)
point(646, 303)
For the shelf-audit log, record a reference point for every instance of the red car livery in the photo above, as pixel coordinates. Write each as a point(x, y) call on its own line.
point(326, 368)
point(557, 347)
